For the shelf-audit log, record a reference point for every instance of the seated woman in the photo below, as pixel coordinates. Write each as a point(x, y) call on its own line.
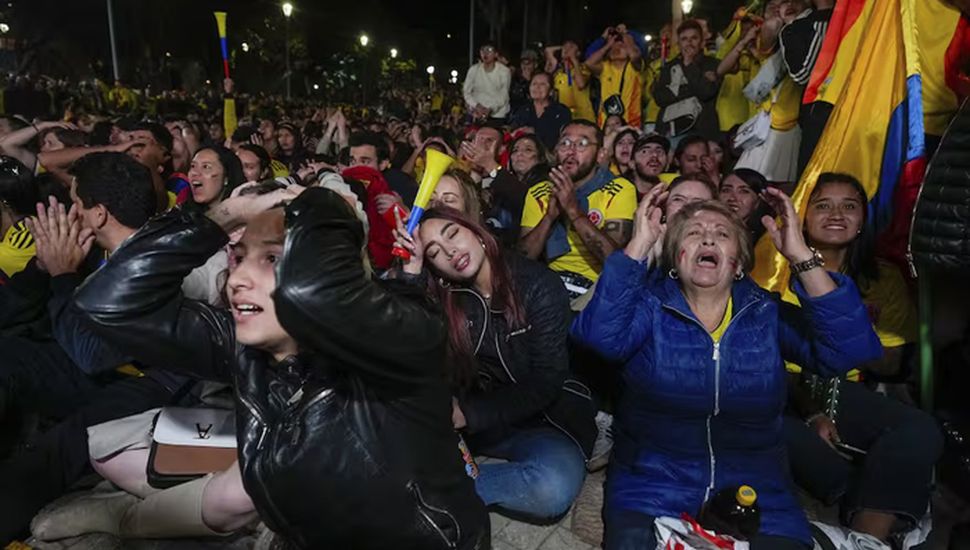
point(542, 113)
point(889, 482)
point(341, 443)
point(702, 350)
point(528, 160)
point(457, 190)
point(213, 175)
point(508, 364)
point(741, 191)
point(619, 146)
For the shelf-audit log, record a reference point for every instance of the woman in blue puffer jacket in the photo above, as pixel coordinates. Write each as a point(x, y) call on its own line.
point(702, 349)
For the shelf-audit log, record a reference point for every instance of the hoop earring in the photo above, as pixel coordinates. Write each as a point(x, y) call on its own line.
point(739, 275)
point(480, 241)
point(673, 274)
point(443, 283)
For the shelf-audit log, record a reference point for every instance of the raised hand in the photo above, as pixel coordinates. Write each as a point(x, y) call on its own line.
point(787, 238)
point(61, 243)
point(564, 191)
point(411, 243)
point(648, 228)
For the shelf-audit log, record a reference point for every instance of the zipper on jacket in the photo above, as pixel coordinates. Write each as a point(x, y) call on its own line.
point(413, 487)
point(716, 356)
point(481, 337)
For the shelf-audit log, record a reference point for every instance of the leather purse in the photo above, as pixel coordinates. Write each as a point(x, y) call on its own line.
point(188, 443)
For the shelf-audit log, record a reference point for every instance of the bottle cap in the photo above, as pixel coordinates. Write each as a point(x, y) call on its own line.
point(746, 496)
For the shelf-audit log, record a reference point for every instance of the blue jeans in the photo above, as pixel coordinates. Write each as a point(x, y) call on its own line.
point(543, 475)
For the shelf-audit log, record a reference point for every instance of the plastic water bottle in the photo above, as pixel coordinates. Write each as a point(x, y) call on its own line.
point(733, 511)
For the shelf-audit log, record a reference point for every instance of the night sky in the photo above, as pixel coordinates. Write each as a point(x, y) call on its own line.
point(67, 35)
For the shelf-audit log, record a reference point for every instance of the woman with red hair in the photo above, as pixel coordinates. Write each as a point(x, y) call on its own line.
point(507, 364)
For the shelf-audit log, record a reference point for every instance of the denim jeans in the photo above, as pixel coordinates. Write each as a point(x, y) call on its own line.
point(629, 530)
point(540, 481)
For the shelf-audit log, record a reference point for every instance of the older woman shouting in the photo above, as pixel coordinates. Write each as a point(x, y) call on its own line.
point(702, 350)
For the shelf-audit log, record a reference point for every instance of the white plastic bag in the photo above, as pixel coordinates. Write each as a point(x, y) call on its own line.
point(685, 533)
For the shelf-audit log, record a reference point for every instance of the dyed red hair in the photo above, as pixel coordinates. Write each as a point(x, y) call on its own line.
point(461, 354)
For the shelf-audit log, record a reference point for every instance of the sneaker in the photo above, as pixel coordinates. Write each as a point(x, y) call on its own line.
point(604, 442)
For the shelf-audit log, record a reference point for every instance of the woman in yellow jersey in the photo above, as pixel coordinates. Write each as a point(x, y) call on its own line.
point(892, 446)
point(18, 198)
point(571, 78)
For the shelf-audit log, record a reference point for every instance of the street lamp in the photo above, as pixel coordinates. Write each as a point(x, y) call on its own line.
point(245, 46)
point(394, 53)
point(648, 37)
point(4, 28)
point(287, 12)
point(430, 70)
point(364, 40)
point(686, 6)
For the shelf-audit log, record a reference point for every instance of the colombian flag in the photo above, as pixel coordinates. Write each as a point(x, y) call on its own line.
point(883, 66)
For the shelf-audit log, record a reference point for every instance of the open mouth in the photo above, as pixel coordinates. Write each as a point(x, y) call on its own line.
point(835, 226)
point(708, 260)
point(243, 311)
point(461, 262)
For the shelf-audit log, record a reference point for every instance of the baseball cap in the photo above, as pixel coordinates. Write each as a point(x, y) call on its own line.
point(652, 138)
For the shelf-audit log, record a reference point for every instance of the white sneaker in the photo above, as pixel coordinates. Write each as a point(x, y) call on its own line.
point(604, 442)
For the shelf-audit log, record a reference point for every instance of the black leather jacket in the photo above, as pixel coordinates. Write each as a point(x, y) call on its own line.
point(535, 358)
point(350, 443)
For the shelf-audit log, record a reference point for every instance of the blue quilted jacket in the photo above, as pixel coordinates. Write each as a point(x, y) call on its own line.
point(696, 416)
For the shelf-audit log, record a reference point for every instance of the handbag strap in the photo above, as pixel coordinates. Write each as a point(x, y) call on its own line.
point(622, 80)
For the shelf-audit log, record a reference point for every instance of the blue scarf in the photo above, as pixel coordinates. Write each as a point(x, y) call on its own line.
point(558, 242)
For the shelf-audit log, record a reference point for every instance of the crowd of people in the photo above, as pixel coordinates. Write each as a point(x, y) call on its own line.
point(576, 297)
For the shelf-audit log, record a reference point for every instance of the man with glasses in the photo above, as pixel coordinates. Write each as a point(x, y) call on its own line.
point(581, 215)
point(486, 87)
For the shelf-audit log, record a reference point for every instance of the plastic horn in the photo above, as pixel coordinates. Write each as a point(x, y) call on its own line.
point(221, 25)
point(436, 163)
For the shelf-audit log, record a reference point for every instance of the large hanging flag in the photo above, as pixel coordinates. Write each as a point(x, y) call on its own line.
point(872, 68)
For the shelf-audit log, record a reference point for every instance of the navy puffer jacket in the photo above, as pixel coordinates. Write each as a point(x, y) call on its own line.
point(696, 417)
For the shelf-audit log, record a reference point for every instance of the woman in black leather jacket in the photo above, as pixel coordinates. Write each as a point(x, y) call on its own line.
point(342, 444)
point(508, 364)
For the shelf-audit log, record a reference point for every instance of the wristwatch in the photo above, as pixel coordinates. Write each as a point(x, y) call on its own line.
point(815, 261)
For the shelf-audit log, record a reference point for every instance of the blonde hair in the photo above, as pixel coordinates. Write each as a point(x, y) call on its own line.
point(470, 190)
point(677, 226)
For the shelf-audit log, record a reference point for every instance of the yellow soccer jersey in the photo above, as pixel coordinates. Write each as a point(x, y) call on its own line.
point(617, 200)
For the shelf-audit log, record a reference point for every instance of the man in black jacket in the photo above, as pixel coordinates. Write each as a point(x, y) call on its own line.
point(73, 377)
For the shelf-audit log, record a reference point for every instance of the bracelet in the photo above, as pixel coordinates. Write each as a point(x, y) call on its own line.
point(815, 261)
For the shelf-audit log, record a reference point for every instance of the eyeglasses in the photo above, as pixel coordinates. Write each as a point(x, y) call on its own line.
point(580, 144)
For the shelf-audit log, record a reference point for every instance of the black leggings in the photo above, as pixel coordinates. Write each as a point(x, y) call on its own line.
point(902, 443)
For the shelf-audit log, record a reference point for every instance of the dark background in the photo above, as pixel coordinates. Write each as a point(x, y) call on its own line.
point(70, 38)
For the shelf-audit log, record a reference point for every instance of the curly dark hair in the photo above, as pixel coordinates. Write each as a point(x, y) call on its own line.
point(117, 182)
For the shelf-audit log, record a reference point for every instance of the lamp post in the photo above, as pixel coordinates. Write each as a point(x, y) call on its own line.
point(114, 47)
point(364, 40)
point(393, 53)
point(287, 12)
point(430, 71)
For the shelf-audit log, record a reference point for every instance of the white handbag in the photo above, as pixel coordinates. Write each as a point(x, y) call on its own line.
point(754, 131)
point(770, 74)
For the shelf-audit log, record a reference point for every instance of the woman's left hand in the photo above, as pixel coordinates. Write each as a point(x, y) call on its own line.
point(788, 238)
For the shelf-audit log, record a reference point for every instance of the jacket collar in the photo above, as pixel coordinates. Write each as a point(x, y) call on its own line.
point(743, 294)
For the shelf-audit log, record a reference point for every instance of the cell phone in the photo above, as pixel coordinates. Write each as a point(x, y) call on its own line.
point(849, 451)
